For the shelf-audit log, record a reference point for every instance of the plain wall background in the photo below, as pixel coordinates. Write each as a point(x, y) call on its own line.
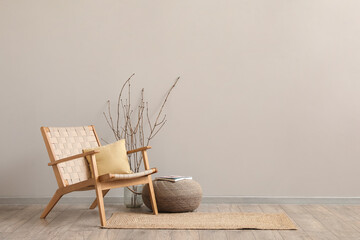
point(268, 103)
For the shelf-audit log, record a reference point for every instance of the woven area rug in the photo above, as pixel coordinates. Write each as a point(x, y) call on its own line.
point(201, 220)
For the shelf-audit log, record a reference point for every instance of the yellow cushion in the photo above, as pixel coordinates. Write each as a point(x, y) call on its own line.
point(112, 158)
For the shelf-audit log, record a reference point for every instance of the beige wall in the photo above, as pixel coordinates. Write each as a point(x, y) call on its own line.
point(268, 103)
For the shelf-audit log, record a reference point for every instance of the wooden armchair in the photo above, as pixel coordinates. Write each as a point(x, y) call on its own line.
point(72, 171)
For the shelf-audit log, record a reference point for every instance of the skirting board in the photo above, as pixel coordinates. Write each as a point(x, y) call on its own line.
point(206, 199)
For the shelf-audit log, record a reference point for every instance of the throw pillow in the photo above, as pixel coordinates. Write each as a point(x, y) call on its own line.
point(112, 158)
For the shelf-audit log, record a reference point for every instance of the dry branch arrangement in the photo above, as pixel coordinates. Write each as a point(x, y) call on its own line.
point(130, 125)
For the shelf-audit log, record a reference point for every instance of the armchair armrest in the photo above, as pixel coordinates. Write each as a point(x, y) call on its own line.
point(138, 149)
point(144, 155)
point(73, 157)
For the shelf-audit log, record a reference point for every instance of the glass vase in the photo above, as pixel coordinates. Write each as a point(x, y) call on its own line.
point(132, 197)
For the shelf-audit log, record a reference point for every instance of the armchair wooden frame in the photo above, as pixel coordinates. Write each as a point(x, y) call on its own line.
point(101, 184)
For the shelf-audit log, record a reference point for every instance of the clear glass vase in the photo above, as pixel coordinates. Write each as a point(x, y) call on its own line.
point(133, 198)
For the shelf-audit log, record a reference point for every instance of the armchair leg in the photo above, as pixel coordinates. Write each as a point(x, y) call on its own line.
point(54, 200)
point(100, 203)
point(93, 205)
point(152, 196)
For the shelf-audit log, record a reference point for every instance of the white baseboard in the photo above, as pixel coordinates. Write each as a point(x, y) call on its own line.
point(280, 200)
point(206, 199)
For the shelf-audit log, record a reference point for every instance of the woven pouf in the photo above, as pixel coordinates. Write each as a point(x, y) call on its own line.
point(181, 196)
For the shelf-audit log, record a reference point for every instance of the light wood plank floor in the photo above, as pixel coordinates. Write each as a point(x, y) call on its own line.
point(77, 222)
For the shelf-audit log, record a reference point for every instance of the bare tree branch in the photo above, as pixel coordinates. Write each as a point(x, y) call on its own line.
point(118, 108)
point(132, 127)
point(156, 124)
point(111, 127)
point(153, 135)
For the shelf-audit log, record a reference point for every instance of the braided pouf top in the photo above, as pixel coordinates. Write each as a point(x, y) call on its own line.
point(181, 196)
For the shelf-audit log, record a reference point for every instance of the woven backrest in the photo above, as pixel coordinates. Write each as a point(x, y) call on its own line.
point(67, 141)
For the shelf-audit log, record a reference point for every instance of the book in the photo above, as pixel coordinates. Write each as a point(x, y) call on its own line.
point(172, 178)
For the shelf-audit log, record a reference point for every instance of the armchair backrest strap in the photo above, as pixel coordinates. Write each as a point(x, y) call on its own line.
point(62, 142)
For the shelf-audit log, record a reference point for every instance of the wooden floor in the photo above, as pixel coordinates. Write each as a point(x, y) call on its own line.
point(77, 222)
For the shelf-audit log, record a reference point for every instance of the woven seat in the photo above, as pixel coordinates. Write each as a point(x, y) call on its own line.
point(72, 171)
point(114, 177)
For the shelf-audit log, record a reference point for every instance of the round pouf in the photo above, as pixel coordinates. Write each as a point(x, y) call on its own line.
point(180, 196)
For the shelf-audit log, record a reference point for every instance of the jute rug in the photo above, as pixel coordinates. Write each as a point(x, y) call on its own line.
point(200, 220)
